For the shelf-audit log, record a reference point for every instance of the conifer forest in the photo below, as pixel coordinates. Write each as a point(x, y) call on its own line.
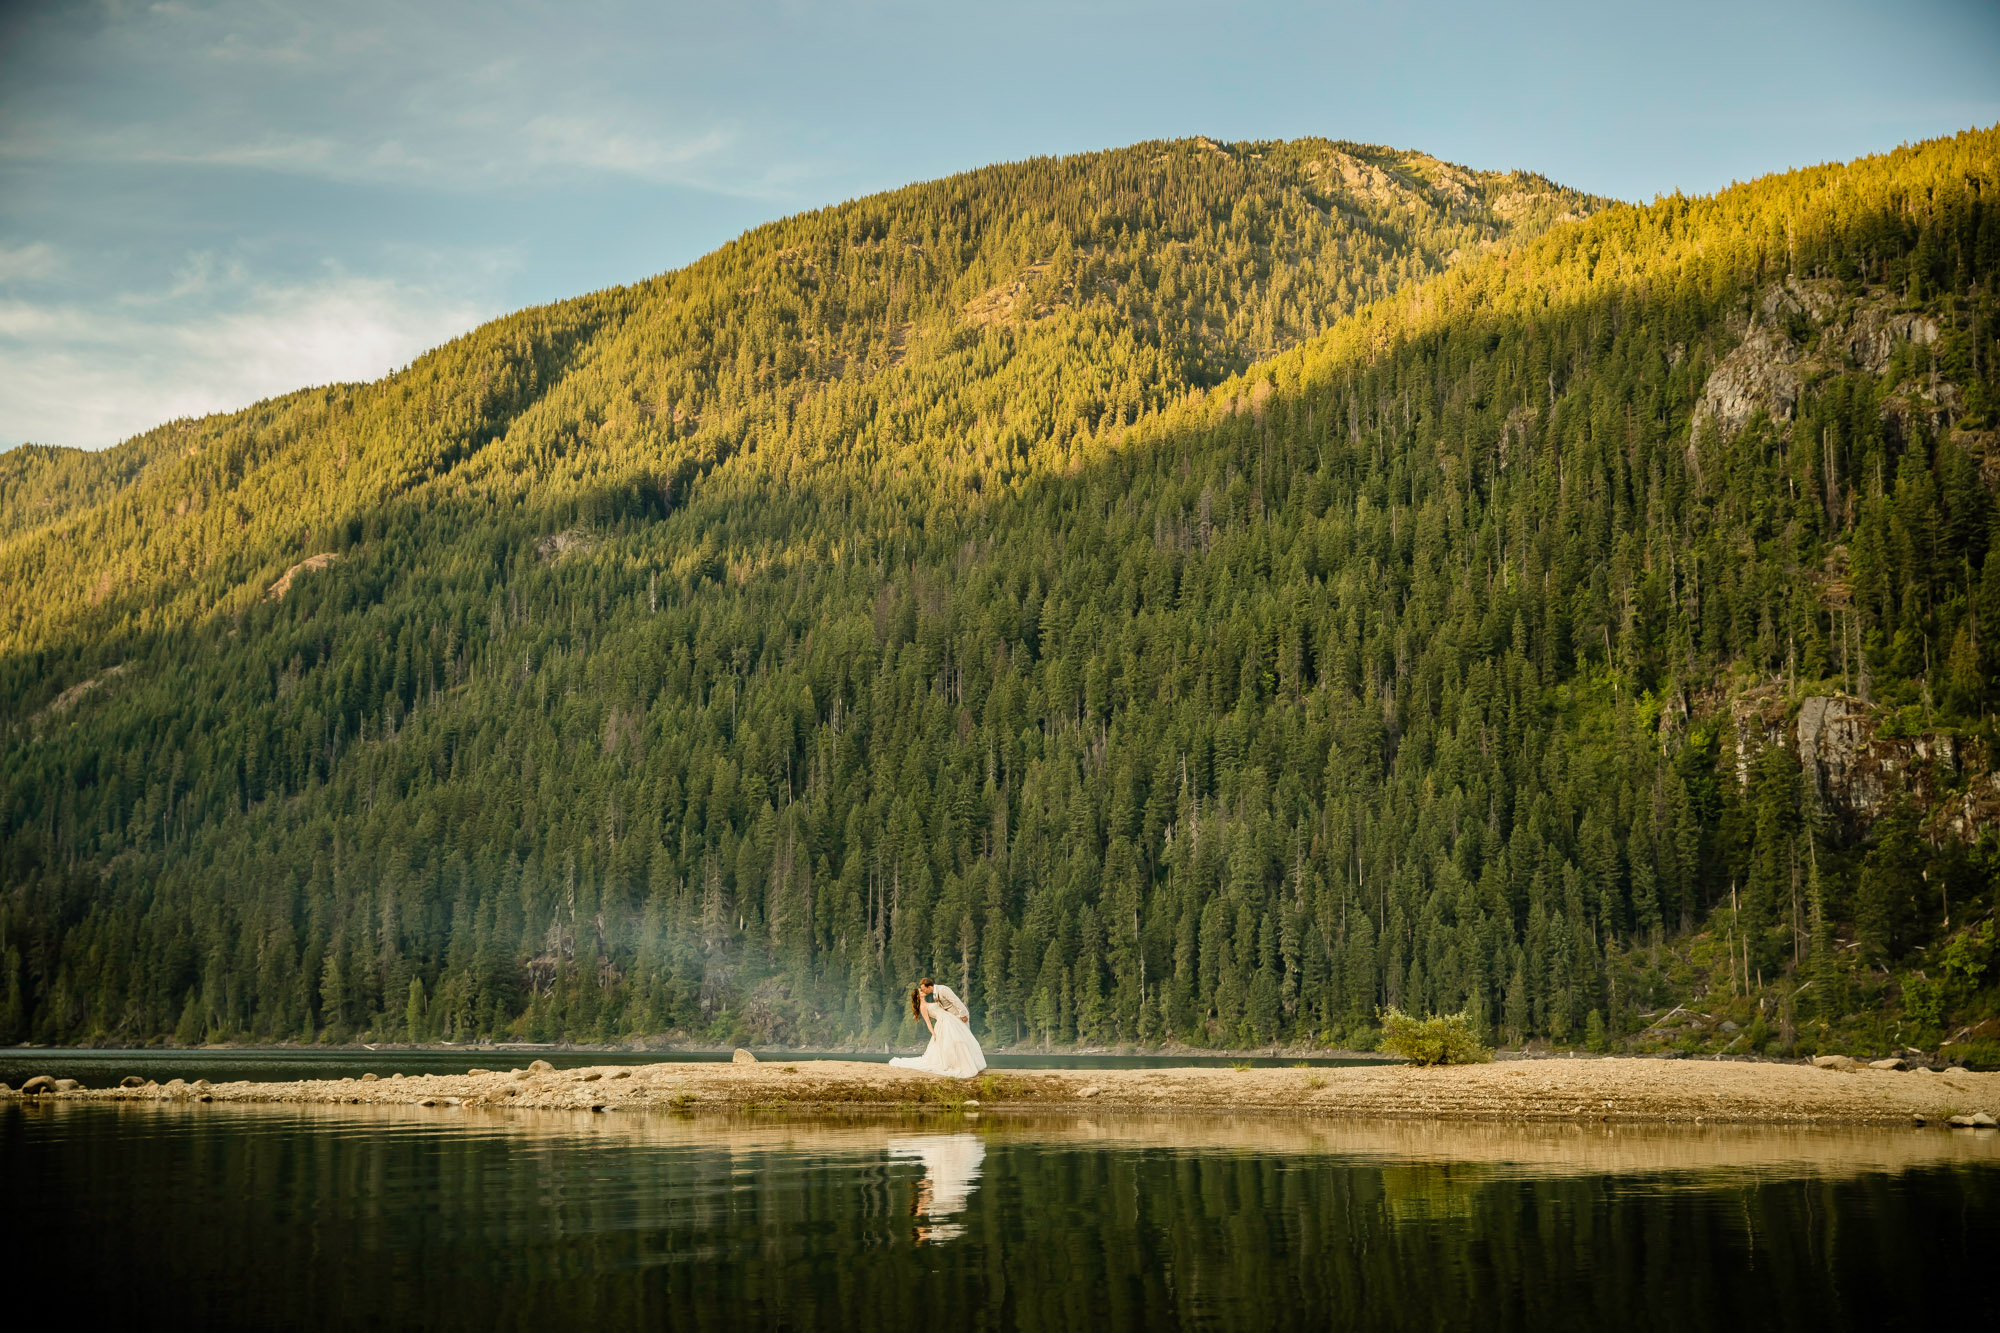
point(1199, 594)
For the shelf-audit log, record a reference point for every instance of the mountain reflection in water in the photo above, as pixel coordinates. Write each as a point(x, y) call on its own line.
point(288, 1216)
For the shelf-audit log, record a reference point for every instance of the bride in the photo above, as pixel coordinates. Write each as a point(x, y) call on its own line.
point(953, 1049)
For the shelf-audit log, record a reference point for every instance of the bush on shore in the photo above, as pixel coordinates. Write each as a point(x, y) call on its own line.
point(1446, 1039)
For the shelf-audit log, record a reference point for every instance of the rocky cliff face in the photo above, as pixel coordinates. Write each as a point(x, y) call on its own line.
point(1800, 328)
point(1859, 767)
point(1857, 759)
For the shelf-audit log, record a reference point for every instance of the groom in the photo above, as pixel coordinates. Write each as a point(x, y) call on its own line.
point(946, 999)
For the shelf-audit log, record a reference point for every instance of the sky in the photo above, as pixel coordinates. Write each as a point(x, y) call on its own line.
point(202, 205)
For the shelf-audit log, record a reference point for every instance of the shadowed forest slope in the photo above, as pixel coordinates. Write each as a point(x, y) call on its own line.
point(969, 581)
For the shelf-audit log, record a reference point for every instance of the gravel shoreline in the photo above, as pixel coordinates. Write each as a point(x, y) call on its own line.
point(1622, 1090)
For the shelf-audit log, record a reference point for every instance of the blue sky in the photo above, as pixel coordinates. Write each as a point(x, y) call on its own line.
point(205, 204)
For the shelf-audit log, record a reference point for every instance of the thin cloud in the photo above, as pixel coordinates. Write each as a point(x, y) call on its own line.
point(33, 262)
point(537, 151)
point(591, 141)
point(460, 101)
point(274, 152)
point(90, 377)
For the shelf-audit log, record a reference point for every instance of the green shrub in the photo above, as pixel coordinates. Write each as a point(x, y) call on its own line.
point(1983, 1053)
point(1363, 1038)
point(1759, 1035)
point(1438, 1040)
point(1594, 1034)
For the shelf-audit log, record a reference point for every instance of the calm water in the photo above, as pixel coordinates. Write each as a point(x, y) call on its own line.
point(103, 1069)
point(266, 1217)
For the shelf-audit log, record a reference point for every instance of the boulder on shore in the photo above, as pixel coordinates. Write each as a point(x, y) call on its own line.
point(540, 1067)
point(69, 1085)
point(1840, 1062)
point(131, 1081)
point(1891, 1063)
point(38, 1085)
point(742, 1057)
point(371, 1077)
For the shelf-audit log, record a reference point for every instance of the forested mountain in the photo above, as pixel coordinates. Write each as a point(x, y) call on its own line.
point(1041, 580)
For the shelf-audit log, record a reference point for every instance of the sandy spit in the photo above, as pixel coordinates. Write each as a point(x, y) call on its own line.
point(1616, 1090)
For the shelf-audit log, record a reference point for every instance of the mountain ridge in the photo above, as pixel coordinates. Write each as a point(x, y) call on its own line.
point(1219, 705)
point(764, 249)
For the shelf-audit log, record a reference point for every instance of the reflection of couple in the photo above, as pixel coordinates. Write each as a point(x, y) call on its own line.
point(953, 1049)
point(951, 1170)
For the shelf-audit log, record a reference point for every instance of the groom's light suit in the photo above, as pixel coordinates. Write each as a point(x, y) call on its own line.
point(945, 998)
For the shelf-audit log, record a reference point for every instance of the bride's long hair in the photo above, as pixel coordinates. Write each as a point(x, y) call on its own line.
point(917, 999)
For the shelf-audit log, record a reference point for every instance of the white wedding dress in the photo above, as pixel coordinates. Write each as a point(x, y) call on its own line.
point(953, 1051)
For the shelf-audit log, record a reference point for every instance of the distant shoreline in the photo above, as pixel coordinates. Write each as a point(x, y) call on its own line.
point(870, 1054)
point(533, 1049)
point(1635, 1090)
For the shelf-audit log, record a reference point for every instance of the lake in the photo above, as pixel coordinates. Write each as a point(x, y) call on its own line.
point(103, 1068)
point(310, 1216)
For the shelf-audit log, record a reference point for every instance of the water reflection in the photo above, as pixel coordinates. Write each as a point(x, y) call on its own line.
point(951, 1170)
point(1694, 1154)
point(265, 1216)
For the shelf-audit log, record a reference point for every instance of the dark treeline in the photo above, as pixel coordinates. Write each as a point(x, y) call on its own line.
point(707, 663)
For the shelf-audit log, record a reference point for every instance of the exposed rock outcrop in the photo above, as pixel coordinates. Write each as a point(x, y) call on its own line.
point(559, 544)
point(75, 694)
point(1834, 735)
point(1858, 772)
point(283, 584)
point(1870, 338)
point(1767, 371)
point(1760, 375)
